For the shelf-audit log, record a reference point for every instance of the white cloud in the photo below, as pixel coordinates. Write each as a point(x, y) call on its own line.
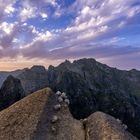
point(6, 27)
point(57, 13)
point(85, 10)
point(9, 9)
point(44, 15)
point(25, 24)
point(133, 11)
point(44, 36)
point(15, 40)
point(52, 2)
point(27, 13)
point(6, 8)
point(31, 9)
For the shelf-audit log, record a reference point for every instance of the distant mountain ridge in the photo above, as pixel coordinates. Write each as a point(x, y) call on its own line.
point(90, 87)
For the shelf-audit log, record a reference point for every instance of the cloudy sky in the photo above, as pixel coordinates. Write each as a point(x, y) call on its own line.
point(47, 32)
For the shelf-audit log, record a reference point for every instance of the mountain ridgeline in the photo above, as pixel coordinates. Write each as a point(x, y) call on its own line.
point(90, 87)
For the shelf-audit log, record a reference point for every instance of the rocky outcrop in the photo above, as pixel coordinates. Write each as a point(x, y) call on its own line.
point(42, 116)
point(34, 118)
point(10, 92)
point(57, 123)
point(100, 126)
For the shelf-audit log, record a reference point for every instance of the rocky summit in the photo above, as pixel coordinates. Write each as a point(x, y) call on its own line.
point(43, 115)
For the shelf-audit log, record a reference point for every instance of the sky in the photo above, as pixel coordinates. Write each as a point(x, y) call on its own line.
point(44, 32)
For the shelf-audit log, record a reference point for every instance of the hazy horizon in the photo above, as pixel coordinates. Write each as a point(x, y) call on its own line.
point(46, 32)
point(9, 69)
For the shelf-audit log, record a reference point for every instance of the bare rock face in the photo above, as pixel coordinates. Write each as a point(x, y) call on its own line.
point(31, 119)
point(58, 124)
point(19, 121)
point(100, 126)
point(10, 92)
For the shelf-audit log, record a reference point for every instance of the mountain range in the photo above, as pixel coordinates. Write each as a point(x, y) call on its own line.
point(89, 85)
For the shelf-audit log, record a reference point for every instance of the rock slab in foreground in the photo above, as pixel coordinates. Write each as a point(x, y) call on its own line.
point(100, 126)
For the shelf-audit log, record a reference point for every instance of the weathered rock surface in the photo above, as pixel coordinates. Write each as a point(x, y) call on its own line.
point(100, 126)
point(30, 119)
point(19, 121)
point(10, 92)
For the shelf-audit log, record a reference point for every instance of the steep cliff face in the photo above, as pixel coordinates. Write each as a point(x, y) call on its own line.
point(10, 92)
point(43, 115)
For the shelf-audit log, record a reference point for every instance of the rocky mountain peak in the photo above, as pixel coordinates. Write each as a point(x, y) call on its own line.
point(50, 68)
point(85, 60)
point(38, 68)
point(64, 65)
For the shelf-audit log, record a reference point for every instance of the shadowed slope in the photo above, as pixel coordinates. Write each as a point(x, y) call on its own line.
point(10, 92)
